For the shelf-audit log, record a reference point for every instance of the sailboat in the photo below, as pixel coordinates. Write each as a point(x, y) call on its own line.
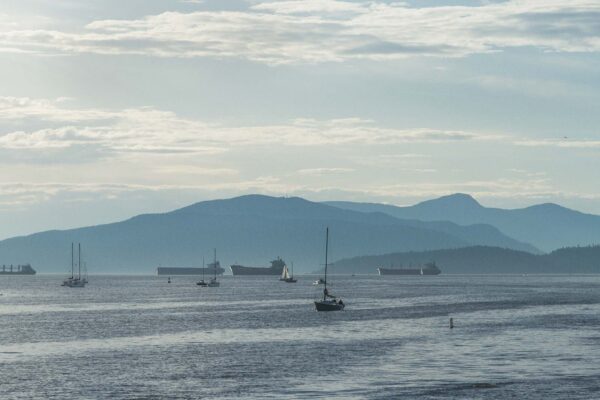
point(213, 281)
point(285, 275)
point(202, 282)
point(72, 281)
point(329, 302)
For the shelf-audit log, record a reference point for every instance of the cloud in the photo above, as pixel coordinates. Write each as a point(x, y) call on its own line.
point(21, 194)
point(324, 171)
point(98, 133)
point(315, 31)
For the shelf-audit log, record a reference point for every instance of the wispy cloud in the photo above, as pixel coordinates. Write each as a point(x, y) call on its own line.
point(317, 31)
point(324, 171)
point(103, 133)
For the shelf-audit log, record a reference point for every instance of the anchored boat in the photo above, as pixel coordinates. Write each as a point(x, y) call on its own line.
point(213, 281)
point(276, 268)
point(75, 281)
point(329, 302)
point(24, 269)
point(202, 282)
point(286, 277)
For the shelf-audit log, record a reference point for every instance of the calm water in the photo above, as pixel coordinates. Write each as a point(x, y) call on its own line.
point(532, 337)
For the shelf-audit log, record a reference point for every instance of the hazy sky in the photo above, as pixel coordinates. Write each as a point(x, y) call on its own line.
point(110, 108)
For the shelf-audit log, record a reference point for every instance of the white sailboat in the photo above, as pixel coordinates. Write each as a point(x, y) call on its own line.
point(75, 281)
point(285, 275)
point(329, 302)
point(213, 281)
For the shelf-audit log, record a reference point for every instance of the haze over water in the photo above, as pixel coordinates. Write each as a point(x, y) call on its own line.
point(139, 337)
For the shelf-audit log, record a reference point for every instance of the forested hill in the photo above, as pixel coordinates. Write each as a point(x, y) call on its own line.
point(482, 260)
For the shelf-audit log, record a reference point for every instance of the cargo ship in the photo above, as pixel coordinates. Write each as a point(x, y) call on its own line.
point(24, 269)
point(426, 269)
point(209, 270)
point(276, 268)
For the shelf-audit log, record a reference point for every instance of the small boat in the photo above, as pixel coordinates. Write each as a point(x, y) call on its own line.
point(329, 302)
point(213, 281)
point(73, 281)
point(285, 275)
point(169, 280)
point(202, 282)
point(318, 282)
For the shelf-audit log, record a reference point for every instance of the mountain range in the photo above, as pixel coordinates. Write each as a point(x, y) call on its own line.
point(250, 230)
point(546, 226)
point(254, 229)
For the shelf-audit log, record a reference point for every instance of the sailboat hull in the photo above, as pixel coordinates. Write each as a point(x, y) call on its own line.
point(328, 305)
point(74, 283)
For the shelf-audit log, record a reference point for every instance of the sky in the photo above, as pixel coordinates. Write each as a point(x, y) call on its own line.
point(114, 108)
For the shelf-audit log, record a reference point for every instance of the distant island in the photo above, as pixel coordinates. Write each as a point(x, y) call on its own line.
point(482, 260)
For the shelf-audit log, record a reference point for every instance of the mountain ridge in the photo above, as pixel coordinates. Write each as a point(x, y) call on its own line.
point(546, 226)
point(249, 229)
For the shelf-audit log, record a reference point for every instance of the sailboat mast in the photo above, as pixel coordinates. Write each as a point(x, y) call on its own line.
point(215, 264)
point(326, 251)
point(72, 262)
point(202, 268)
point(79, 263)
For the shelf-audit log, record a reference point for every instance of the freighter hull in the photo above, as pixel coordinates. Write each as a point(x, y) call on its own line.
point(16, 273)
point(404, 271)
point(17, 270)
point(241, 270)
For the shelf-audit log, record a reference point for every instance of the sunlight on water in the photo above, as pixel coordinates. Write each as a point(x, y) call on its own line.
point(123, 337)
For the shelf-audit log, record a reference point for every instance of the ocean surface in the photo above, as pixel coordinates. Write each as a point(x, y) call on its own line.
point(138, 337)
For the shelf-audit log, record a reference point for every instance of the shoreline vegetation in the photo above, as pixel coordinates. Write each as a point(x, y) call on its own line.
point(484, 260)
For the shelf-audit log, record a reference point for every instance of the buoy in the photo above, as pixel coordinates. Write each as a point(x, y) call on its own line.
point(451, 323)
point(169, 280)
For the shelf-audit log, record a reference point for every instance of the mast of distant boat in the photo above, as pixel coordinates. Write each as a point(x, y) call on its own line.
point(215, 264)
point(326, 250)
point(202, 268)
point(72, 262)
point(79, 263)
